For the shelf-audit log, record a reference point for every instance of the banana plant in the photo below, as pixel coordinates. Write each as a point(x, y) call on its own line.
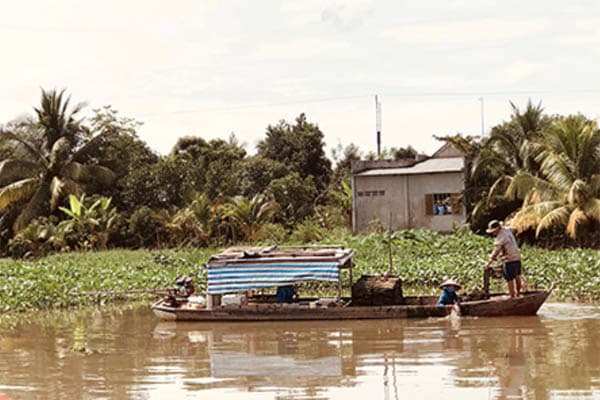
point(88, 226)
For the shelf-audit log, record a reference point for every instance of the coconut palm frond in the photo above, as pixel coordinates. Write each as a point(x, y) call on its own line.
point(91, 145)
point(531, 120)
point(594, 183)
point(489, 161)
point(15, 170)
point(38, 205)
point(89, 173)
point(591, 208)
point(506, 142)
point(62, 187)
point(578, 193)
point(557, 217)
point(529, 216)
point(55, 119)
point(30, 148)
point(526, 218)
point(557, 168)
point(499, 187)
point(100, 174)
point(60, 150)
point(576, 219)
point(17, 192)
point(479, 209)
point(520, 184)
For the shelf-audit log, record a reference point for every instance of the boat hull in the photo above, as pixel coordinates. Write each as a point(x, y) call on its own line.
point(417, 307)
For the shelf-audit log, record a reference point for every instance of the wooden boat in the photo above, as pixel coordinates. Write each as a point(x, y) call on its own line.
point(308, 309)
point(249, 269)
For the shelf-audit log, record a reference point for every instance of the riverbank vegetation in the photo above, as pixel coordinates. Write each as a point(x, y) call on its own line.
point(72, 186)
point(68, 183)
point(422, 259)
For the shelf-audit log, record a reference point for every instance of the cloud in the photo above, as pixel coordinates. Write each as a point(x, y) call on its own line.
point(347, 17)
point(300, 49)
point(518, 71)
point(463, 32)
point(586, 32)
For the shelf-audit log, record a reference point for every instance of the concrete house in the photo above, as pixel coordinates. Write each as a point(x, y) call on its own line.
point(423, 193)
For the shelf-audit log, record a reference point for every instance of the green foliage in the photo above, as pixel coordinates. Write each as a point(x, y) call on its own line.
point(394, 153)
point(566, 192)
point(192, 225)
point(424, 259)
point(307, 232)
point(300, 147)
point(246, 216)
point(295, 196)
point(47, 283)
point(146, 228)
point(162, 184)
point(421, 258)
point(37, 239)
point(510, 150)
point(48, 160)
point(270, 233)
point(209, 167)
point(343, 158)
point(256, 173)
point(120, 150)
point(90, 223)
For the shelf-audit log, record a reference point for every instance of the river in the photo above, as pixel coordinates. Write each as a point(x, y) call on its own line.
point(126, 353)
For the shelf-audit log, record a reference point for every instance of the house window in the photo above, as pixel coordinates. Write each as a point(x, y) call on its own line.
point(442, 204)
point(371, 193)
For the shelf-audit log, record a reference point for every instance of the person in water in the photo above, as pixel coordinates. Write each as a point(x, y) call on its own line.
point(449, 295)
point(506, 249)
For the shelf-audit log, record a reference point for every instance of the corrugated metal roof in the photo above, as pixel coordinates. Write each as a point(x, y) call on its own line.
point(429, 166)
point(336, 254)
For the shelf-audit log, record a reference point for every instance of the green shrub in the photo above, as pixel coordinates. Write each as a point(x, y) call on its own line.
point(146, 228)
point(271, 233)
point(308, 231)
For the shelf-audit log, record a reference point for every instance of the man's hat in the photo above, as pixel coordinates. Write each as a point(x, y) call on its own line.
point(493, 225)
point(450, 282)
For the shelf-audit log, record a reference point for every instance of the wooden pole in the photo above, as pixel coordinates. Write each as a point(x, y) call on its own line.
point(119, 292)
point(351, 265)
point(389, 240)
point(339, 294)
point(486, 280)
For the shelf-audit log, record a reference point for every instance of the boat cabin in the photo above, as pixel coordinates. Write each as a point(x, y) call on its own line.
point(243, 270)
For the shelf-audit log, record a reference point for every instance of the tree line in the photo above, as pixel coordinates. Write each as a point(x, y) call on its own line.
point(70, 183)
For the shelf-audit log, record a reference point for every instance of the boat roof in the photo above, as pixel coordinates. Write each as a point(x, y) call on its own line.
point(331, 254)
point(241, 268)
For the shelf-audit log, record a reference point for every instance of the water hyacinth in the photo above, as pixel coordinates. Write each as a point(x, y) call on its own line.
point(423, 259)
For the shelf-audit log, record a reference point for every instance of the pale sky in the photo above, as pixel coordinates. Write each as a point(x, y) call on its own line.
point(209, 68)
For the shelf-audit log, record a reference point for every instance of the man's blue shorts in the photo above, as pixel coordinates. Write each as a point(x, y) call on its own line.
point(511, 270)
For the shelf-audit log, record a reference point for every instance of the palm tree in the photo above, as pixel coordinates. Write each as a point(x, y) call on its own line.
point(509, 151)
point(247, 215)
point(567, 192)
point(192, 224)
point(48, 161)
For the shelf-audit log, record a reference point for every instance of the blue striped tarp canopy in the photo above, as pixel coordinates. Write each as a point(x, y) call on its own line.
point(232, 278)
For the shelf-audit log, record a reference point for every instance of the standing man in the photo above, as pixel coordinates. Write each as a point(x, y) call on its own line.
point(505, 246)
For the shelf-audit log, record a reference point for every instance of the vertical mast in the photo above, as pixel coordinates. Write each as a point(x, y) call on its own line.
point(378, 124)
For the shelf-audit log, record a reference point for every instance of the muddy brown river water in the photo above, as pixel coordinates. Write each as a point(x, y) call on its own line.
point(126, 353)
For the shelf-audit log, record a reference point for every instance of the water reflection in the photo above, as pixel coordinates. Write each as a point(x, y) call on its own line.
point(129, 354)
